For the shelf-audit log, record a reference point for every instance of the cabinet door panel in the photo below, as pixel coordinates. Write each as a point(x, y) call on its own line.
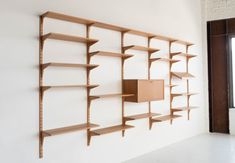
point(150, 90)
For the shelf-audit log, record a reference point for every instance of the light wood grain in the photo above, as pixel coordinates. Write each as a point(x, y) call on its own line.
point(111, 54)
point(165, 118)
point(111, 129)
point(62, 130)
point(140, 116)
point(63, 37)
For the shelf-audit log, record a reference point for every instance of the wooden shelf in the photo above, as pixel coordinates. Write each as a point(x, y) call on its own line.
point(74, 19)
point(183, 42)
point(165, 118)
point(63, 37)
point(164, 60)
point(63, 17)
point(182, 94)
point(183, 108)
point(140, 116)
point(189, 56)
point(111, 129)
point(44, 88)
point(171, 85)
point(141, 48)
point(110, 95)
point(111, 54)
point(89, 66)
point(182, 75)
point(58, 131)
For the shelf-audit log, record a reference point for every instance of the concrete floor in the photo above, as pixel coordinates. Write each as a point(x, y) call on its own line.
point(208, 148)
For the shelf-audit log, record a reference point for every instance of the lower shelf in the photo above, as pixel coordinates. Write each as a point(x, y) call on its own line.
point(58, 131)
point(140, 116)
point(183, 108)
point(111, 129)
point(165, 118)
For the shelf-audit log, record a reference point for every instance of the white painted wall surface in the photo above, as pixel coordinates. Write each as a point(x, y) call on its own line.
point(19, 79)
point(220, 9)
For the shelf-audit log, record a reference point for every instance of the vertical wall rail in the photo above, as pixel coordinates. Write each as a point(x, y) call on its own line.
point(149, 77)
point(188, 97)
point(170, 81)
point(88, 82)
point(122, 78)
point(41, 43)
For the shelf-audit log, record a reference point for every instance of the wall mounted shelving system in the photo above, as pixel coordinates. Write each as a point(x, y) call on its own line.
point(87, 126)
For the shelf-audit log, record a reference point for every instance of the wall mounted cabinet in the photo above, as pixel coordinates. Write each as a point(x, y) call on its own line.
point(144, 90)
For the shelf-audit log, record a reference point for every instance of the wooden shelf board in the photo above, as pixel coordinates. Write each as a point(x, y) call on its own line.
point(183, 42)
point(164, 60)
point(183, 108)
point(57, 131)
point(55, 64)
point(165, 118)
point(110, 27)
point(140, 116)
point(45, 87)
point(140, 33)
point(164, 38)
point(63, 17)
point(111, 129)
point(74, 19)
point(171, 85)
point(183, 54)
point(111, 54)
point(110, 95)
point(182, 75)
point(141, 48)
point(182, 94)
point(64, 37)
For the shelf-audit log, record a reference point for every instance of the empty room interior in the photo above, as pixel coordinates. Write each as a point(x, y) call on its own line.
point(117, 81)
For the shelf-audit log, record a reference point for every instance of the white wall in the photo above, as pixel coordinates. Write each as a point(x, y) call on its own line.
point(215, 10)
point(220, 9)
point(19, 79)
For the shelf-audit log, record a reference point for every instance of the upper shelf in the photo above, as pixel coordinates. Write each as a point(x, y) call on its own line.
point(183, 108)
point(165, 118)
point(183, 42)
point(44, 88)
point(140, 116)
point(183, 94)
point(110, 95)
point(73, 19)
point(58, 131)
point(88, 66)
point(182, 75)
point(164, 60)
point(111, 54)
point(111, 129)
point(141, 48)
point(189, 56)
point(64, 37)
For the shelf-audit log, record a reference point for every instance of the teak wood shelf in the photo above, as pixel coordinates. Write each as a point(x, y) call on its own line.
point(183, 108)
point(108, 130)
point(88, 41)
point(46, 87)
point(63, 37)
point(165, 118)
point(140, 116)
point(88, 66)
point(110, 54)
point(141, 48)
point(62, 130)
point(182, 75)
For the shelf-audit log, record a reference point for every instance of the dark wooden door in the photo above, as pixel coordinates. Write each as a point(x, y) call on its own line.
point(218, 76)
